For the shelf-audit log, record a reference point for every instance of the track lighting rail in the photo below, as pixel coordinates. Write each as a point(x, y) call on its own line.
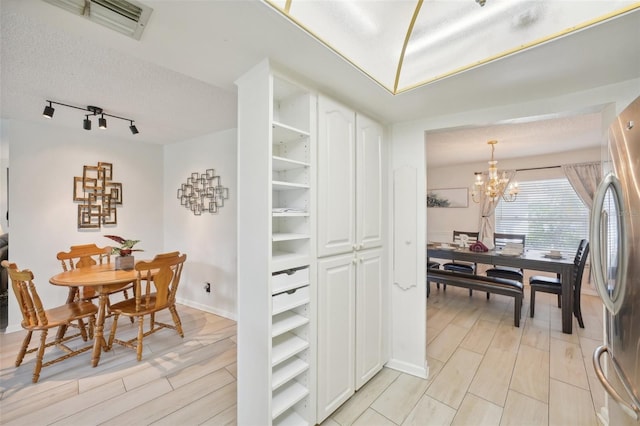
point(93, 111)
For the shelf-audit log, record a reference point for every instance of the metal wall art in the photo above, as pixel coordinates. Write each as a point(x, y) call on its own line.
point(99, 196)
point(203, 193)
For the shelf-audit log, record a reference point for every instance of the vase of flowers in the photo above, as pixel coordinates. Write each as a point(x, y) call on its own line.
point(124, 259)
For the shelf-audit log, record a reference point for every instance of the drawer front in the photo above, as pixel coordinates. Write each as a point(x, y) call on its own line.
point(290, 300)
point(284, 281)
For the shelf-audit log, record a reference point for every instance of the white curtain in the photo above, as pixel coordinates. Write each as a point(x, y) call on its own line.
point(584, 178)
point(487, 209)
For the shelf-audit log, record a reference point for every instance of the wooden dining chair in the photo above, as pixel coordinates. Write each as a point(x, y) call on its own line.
point(155, 290)
point(500, 241)
point(81, 256)
point(463, 267)
point(36, 318)
point(554, 284)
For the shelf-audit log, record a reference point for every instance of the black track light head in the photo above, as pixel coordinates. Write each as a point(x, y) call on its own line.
point(133, 128)
point(86, 123)
point(48, 111)
point(102, 122)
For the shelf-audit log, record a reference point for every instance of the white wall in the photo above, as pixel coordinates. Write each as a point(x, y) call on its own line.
point(43, 216)
point(442, 222)
point(210, 239)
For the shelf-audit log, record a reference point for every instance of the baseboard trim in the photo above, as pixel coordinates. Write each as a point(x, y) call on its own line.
point(405, 367)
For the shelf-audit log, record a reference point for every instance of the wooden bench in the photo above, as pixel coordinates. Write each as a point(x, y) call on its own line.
point(494, 285)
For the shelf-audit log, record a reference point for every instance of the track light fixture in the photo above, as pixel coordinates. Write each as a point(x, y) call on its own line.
point(48, 111)
point(133, 128)
point(87, 123)
point(93, 111)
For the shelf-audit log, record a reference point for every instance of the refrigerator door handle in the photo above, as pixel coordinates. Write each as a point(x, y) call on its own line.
point(631, 409)
point(611, 300)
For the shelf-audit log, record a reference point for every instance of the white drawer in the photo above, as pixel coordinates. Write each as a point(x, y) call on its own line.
point(283, 281)
point(289, 300)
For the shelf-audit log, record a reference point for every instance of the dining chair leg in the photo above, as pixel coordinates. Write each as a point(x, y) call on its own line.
point(559, 301)
point(112, 333)
point(23, 349)
point(176, 319)
point(532, 303)
point(83, 330)
point(488, 295)
point(39, 356)
point(140, 337)
point(577, 312)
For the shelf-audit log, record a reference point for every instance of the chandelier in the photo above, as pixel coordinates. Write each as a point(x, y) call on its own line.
point(497, 184)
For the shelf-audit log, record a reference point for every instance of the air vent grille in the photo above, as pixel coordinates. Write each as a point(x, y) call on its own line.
point(126, 17)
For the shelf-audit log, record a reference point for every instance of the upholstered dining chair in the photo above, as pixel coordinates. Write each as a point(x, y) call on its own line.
point(457, 266)
point(155, 290)
point(554, 285)
point(463, 267)
point(500, 241)
point(36, 318)
point(81, 256)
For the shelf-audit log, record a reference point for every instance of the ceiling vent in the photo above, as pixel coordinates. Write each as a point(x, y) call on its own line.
point(126, 17)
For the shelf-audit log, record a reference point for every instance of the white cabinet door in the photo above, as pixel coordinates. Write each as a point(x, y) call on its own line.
point(336, 333)
point(336, 178)
point(369, 359)
point(368, 183)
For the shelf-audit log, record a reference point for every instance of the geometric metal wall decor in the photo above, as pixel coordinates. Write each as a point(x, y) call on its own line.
point(203, 193)
point(98, 195)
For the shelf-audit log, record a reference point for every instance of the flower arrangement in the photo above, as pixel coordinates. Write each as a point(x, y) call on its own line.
point(126, 246)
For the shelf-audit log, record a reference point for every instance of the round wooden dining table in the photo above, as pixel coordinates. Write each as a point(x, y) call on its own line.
point(104, 279)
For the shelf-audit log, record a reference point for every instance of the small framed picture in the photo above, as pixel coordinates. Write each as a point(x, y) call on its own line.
point(448, 197)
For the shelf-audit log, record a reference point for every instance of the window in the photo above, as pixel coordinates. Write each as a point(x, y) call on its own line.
point(549, 212)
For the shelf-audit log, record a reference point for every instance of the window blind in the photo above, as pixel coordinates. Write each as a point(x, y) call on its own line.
point(549, 212)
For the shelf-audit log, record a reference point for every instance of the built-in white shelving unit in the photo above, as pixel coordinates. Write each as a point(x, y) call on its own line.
point(276, 252)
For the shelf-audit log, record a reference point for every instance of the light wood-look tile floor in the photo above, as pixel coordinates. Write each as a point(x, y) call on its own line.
point(485, 371)
point(188, 381)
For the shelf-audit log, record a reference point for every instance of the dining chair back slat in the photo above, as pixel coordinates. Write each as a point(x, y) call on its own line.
point(85, 255)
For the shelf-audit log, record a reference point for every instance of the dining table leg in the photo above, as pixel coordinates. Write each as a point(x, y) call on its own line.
point(567, 298)
point(98, 339)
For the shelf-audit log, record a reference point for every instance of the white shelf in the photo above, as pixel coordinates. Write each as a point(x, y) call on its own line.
point(291, 214)
point(287, 371)
point(285, 302)
point(286, 260)
point(285, 346)
point(278, 185)
point(280, 164)
point(287, 321)
point(283, 133)
point(286, 396)
point(290, 419)
point(284, 236)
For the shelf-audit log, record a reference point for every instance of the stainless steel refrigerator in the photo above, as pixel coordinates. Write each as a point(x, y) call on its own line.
point(615, 261)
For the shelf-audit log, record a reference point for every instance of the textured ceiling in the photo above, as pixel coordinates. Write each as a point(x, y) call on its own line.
point(553, 135)
point(177, 82)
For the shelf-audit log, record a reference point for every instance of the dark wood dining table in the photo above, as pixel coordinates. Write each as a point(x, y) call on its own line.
point(530, 259)
point(105, 279)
